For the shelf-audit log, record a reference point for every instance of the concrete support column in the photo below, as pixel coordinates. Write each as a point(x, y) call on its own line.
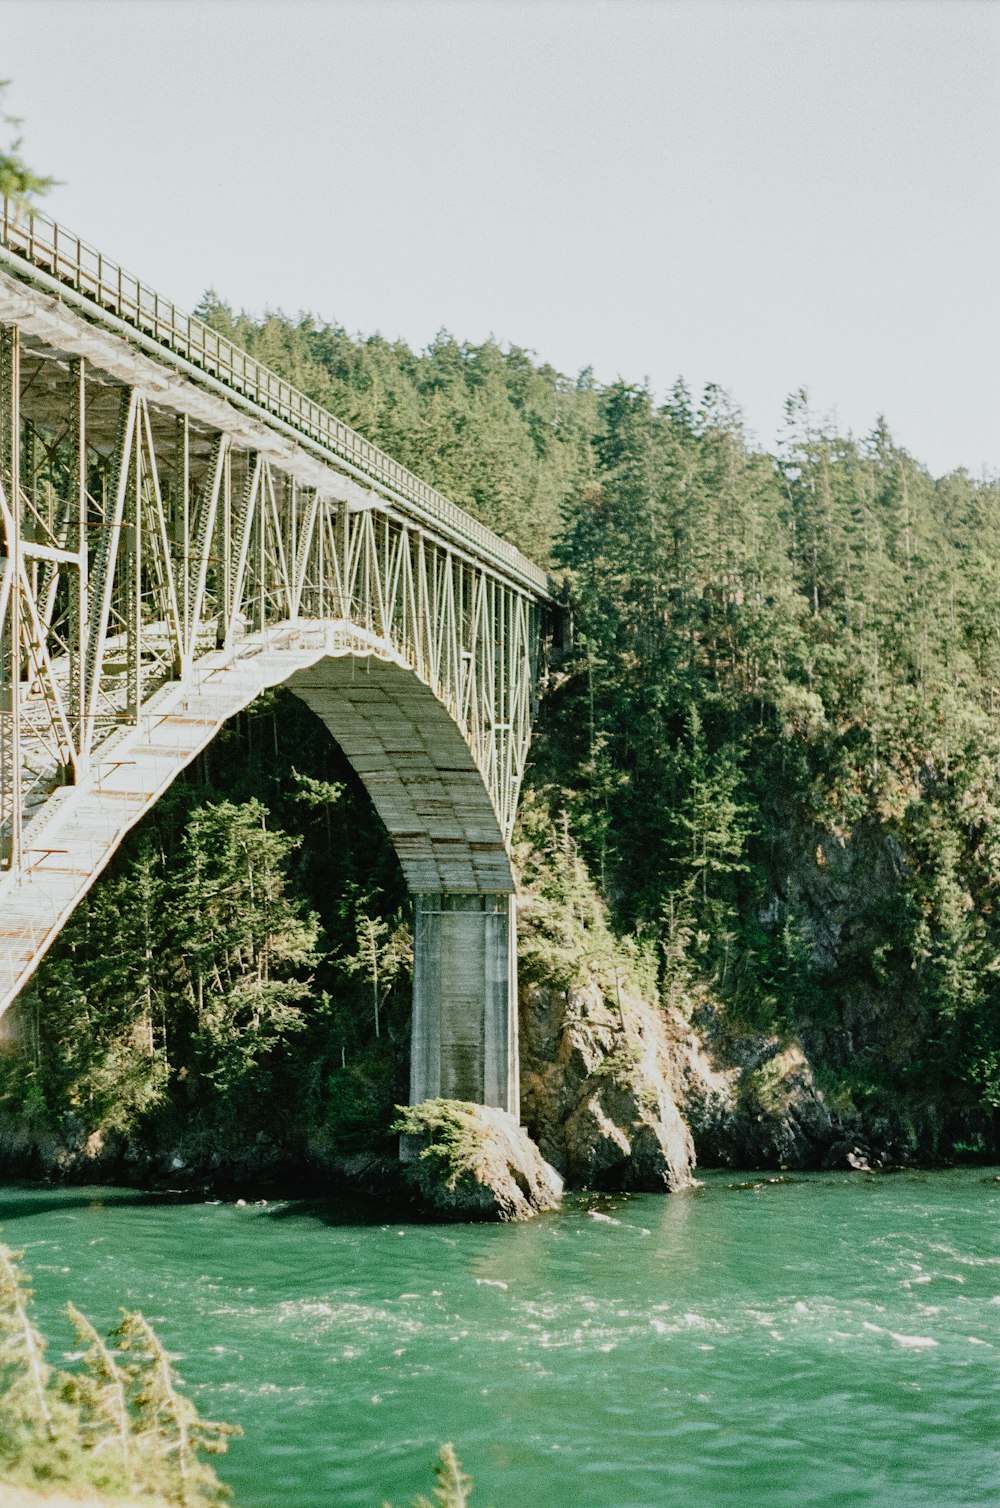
point(464, 1032)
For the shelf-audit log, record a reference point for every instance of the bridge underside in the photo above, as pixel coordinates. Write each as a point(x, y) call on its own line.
point(424, 784)
point(417, 769)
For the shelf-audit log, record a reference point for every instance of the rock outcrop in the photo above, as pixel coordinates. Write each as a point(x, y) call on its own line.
point(472, 1162)
point(596, 1088)
point(750, 1099)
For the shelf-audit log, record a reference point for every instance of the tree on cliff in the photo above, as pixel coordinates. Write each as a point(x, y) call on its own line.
point(244, 942)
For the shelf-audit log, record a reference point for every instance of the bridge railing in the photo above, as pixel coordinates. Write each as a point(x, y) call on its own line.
point(73, 262)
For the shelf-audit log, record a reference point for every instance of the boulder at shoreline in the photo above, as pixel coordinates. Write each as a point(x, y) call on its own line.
point(473, 1162)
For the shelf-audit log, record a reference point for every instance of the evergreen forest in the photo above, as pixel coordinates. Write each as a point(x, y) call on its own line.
point(771, 747)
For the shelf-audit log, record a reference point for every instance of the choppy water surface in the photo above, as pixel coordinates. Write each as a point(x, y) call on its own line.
point(829, 1340)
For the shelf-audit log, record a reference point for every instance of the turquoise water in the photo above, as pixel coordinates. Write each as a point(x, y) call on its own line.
point(830, 1340)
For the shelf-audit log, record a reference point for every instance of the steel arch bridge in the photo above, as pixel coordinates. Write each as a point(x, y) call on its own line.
point(181, 529)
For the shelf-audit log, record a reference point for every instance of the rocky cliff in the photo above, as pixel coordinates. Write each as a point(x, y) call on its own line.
point(596, 1088)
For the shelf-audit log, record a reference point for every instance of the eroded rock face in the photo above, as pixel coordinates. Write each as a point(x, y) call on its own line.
point(756, 1106)
point(596, 1091)
point(473, 1162)
point(620, 1094)
point(751, 1100)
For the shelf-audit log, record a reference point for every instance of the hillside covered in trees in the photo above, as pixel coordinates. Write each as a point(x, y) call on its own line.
point(773, 744)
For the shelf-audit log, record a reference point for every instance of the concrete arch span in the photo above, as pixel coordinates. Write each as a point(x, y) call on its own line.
point(416, 766)
point(424, 783)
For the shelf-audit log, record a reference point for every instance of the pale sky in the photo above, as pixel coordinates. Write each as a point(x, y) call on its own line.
point(766, 194)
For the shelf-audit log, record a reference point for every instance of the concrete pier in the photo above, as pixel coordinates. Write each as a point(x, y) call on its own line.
point(464, 1034)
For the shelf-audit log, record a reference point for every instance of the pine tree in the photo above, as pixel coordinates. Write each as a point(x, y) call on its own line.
point(168, 1433)
point(100, 1395)
point(382, 951)
point(247, 944)
point(25, 1374)
point(117, 1423)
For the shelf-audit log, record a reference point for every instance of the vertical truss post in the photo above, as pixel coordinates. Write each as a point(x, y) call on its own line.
point(101, 584)
point(291, 497)
point(239, 558)
point(324, 511)
point(78, 599)
point(133, 580)
point(260, 525)
point(224, 604)
point(345, 606)
point(182, 485)
point(204, 543)
point(11, 843)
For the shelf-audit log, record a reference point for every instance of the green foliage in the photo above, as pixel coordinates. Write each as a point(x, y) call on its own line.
point(169, 1435)
point(117, 1423)
point(17, 181)
point(564, 936)
point(776, 659)
point(244, 945)
point(452, 1135)
point(764, 1089)
point(219, 978)
point(382, 951)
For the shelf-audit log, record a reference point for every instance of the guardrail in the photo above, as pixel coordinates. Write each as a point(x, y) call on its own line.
point(71, 261)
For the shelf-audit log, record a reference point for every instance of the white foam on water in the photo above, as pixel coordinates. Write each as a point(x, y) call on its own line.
point(967, 1259)
point(489, 1283)
point(913, 1342)
point(319, 1316)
